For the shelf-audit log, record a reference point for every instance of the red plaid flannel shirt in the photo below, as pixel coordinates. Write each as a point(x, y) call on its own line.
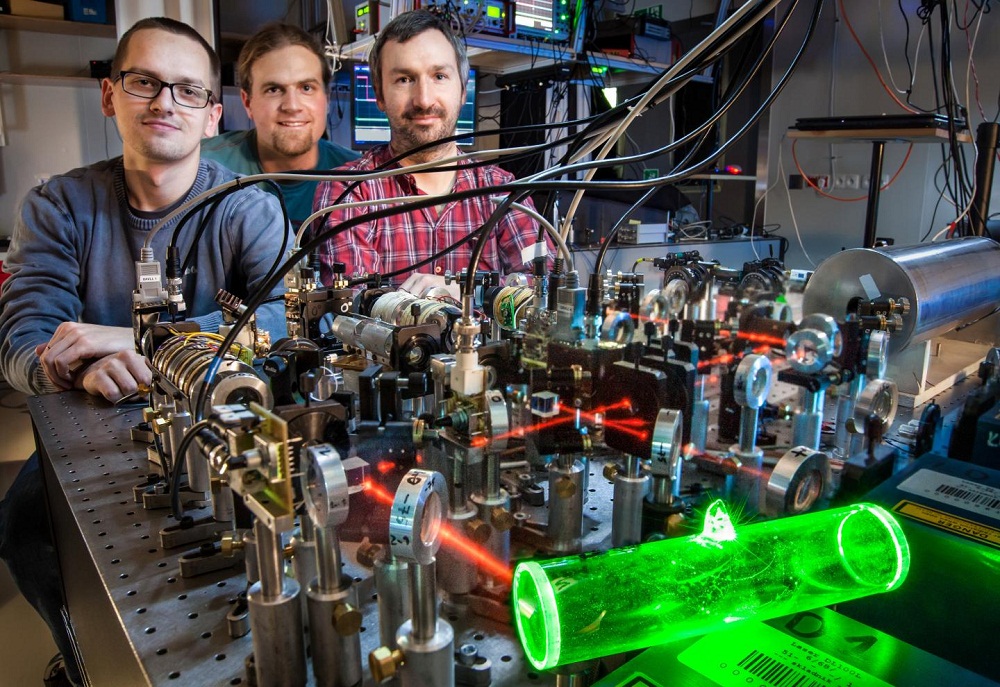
point(397, 242)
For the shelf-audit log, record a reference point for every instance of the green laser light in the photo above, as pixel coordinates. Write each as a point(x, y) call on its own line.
point(598, 604)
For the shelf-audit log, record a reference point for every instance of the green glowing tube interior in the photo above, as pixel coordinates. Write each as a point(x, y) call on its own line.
point(591, 605)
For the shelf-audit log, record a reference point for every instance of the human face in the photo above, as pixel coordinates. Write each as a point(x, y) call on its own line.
point(422, 91)
point(288, 106)
point(159, 130)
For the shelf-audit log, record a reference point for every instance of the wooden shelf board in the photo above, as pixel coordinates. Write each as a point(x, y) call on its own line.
point(916, 135)
point(69, 28)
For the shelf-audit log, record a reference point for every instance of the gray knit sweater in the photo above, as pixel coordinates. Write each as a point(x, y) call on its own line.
point(73, 252)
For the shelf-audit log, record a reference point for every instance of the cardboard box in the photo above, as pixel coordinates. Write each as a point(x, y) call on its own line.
point(34, 8)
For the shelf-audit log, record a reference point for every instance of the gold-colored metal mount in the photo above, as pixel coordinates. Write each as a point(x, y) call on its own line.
point(501, 518)
point(384, 663)
point(149, 414)
point(610, 471)
point(346, 619)
point(159, 425)
point(477, 530)
point(230, 543)
point(368, 553)
point(418, 431)
point(674, 525)
point(565, 487)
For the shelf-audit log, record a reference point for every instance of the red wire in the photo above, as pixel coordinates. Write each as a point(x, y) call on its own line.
point(820, 191)
point(840, 4)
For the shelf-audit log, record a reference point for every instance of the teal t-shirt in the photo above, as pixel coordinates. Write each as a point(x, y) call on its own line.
point(237, 150)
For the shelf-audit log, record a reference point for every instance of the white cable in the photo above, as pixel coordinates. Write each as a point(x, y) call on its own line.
point(916, 55)
point(968, 70)
point(788, 194)
point(677, 68)
point(753, 218)
point(549, 229)
point(401, 200)
point(835, 53)
point(885, 53)
point(651, 93)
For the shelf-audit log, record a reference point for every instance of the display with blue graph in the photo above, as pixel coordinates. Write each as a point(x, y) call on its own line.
point(370, 126)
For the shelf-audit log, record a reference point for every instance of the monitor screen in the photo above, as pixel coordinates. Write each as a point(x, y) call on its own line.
point(370, 126)
point(550, 20)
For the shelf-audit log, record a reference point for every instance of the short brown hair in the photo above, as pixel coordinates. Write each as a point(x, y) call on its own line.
point(408, 25)
point(271, 37)
point(181, 29)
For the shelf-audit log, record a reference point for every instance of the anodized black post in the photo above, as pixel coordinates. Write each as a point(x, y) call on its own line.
point(986, 147)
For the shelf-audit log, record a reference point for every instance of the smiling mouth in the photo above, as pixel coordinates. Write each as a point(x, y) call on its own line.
point(160, 124)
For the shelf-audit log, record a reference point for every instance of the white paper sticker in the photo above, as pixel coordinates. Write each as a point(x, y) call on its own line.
point(870, 287)
point(535, 250)
point(955, 491)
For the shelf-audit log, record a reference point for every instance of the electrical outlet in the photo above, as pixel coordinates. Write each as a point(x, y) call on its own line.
point(822, 181)
point(853, 181)
point(840, 181)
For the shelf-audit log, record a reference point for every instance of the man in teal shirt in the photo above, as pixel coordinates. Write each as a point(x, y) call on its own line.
point(284, 84)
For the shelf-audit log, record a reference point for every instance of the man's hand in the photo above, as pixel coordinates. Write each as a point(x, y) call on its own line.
point(74, 344)
point(419, 284)
point(115, 376)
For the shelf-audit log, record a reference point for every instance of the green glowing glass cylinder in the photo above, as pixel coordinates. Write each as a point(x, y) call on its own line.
point(597, 604)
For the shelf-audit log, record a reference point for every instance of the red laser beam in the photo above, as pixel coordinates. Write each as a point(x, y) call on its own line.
point(452, 539)
point(762, 338)
point(475, 554)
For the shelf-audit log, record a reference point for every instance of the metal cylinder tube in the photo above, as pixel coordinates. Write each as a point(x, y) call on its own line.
point(276, 628)
point(947, 284)
point(328, 561)
point(807, 424)
point(223, 508)
point(987, 135)
point(748, 431)
point(304, 554)
point(498, 543)
point(269, 560)
point(370, 335)
point(392, 582)
point(456, 573)
point(423, 592)
point(566, 489)
point(250, 557)
point(626, 513)
point(430, 662)
point(336, 657)
point(699, 414)
point(849, 393)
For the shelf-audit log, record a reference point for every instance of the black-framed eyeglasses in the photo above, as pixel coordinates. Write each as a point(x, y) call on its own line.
point(148, 87)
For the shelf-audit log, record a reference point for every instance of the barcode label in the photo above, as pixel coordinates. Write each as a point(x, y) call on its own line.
point(774, 672)
point(955, 491)
point(969, 496)
point(758, 655)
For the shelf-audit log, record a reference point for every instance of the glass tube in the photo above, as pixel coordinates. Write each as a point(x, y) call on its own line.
point(598, 604)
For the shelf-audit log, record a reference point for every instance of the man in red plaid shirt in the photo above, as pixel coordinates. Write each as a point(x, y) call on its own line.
point(419, 71)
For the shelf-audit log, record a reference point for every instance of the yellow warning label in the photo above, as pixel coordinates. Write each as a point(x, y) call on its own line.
point(949, 523)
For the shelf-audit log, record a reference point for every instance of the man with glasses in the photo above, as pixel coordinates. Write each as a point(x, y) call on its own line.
point(284, 80)
point(65, 321)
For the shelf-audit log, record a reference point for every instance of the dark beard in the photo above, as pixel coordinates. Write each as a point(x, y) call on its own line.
point(407, 137)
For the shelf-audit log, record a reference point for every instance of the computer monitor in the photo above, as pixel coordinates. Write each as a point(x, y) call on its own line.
point(548, 20)
point(370, 126)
